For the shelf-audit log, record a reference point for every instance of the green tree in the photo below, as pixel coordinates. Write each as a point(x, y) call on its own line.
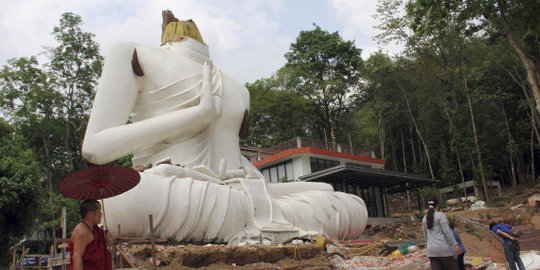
point(77, 64)
point(49, 106)
point(276, 114)
point(518, 22)
point(469, 79)
point(20, 190)
point(30, 100)
point(326, 70)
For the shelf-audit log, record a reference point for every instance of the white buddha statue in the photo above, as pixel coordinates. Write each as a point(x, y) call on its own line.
point(186, 119)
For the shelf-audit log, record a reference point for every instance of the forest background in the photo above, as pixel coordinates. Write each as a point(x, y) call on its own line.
point(460, 103)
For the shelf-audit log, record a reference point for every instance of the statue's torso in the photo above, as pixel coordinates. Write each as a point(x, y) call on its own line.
point(172, 81)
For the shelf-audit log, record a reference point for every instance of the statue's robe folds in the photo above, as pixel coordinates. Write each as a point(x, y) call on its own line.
point(195, 210)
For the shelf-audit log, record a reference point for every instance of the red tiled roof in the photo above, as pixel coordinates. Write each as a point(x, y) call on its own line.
point(305, 150)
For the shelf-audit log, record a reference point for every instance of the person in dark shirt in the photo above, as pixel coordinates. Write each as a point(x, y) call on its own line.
point(461, 263)
point(512, 256)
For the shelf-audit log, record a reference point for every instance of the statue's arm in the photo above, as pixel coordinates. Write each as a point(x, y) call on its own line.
point(108, 137)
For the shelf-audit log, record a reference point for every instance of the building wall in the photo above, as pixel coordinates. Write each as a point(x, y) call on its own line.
point(302, 163)
point(301, 166)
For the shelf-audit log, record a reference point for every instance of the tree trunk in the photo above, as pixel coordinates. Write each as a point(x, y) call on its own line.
point(510, 139)
point(381, 136)
point(477, 144)
point(534, 113)
point(421, 155)
point(462, 180)
point(419, 134)
point(473, 163)
point(527, 63)
point(49, 181)
point(393, 148)
point(405, 168)
point(67, 136)
point(444, 154)
point(403, 158)
point(412, 145)
point(460, 166)
point(521, 170)
point(533, 180)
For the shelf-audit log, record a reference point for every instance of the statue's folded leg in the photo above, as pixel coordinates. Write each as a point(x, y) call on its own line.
point(336, 214)
point(182, 208)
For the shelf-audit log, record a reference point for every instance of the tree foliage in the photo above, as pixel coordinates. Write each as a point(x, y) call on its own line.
point(457, 105)
point(48, 105)
point(77, 64)
point(276, 114)
point(467, 84)
point(326, 70)
point(20, 189)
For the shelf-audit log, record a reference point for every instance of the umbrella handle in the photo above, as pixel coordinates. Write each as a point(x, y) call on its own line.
point(104, 216)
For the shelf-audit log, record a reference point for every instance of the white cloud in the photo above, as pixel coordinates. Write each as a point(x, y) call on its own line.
point(359, 24)
point(247, 38)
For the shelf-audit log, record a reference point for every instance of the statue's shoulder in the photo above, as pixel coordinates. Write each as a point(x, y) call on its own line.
point(231, 83)
point(129, 47)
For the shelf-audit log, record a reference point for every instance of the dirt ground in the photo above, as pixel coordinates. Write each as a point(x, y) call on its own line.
point(472, 225)
point(210, 257)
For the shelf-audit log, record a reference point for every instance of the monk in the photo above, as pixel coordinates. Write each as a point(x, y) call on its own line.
point(88, 244)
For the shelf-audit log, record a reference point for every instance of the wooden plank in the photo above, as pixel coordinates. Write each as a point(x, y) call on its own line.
point(13, 262)
point(125, 258)
point(141, 240)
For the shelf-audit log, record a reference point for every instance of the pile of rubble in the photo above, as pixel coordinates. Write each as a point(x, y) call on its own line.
point(342, 257)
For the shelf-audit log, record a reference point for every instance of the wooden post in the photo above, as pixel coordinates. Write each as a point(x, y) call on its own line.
point(13, 262)
point(23, 254)
point(120, 247)
point(154, 267)
point(50, 263)
point(63, 236)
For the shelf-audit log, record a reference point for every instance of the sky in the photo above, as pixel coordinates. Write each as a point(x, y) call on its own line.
point(247, 38)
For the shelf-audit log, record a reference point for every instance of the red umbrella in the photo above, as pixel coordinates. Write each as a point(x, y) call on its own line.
point(99, 182)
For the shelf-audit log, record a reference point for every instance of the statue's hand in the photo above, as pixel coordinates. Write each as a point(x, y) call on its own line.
point(208, 100)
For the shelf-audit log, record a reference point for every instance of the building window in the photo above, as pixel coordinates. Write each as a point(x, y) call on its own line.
point(278, 172)
point(318, 164)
